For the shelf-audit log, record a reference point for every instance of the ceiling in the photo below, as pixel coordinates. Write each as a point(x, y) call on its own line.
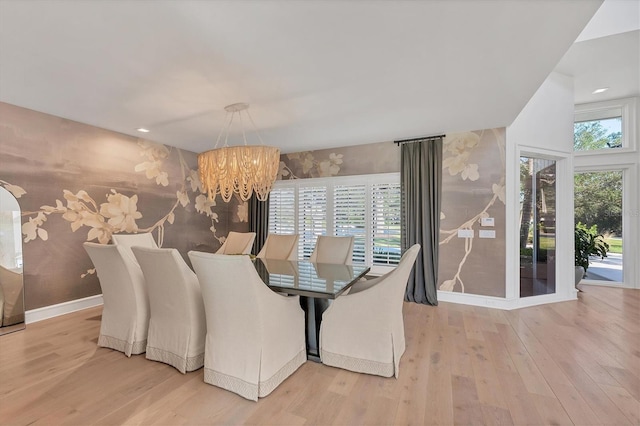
point(606, 54)
point(317, 74)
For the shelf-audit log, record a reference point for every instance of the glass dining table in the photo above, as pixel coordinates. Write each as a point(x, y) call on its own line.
point(315, 283)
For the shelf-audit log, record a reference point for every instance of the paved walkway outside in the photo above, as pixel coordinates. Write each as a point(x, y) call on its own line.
point(607, 269)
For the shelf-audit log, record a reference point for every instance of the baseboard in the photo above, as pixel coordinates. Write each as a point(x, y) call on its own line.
point(474, 300)
point(604, 283)
point(500, 302)
point(52, 311)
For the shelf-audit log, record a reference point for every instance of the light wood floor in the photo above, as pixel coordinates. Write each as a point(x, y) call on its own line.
point(572, 362)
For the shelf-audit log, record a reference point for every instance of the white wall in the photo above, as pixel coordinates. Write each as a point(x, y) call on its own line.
point(546, 122)
point(544, 128)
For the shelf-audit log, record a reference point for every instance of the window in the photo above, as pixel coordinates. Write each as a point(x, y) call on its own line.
point(282, 211)
point(598, 134)
point(366, 207)
point(605, 185)
point(385, 211)
point(312, 217)
point(350, 216)
point(604, 126)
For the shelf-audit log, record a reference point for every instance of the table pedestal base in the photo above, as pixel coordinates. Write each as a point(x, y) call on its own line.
point(313, 308)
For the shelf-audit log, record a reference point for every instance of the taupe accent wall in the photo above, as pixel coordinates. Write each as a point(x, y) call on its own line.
point(78, 183)
point(473, 188)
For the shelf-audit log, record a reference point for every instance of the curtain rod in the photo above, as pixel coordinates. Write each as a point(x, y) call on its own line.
point(425, 138)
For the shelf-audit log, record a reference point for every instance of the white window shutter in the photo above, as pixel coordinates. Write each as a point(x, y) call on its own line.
point(350, 216)
point(385, 223)
point(366, 207)
point(312, 217)
point(282, 211)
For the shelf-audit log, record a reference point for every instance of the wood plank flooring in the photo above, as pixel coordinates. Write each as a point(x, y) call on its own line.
point(566, 363)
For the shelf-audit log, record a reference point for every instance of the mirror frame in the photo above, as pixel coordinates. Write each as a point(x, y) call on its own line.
point(11, 281)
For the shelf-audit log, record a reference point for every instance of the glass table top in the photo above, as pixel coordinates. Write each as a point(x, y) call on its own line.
point(325, 280)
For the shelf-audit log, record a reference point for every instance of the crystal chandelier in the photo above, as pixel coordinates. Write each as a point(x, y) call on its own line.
point(242, 169)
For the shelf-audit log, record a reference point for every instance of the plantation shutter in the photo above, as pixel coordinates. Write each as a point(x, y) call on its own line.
point(312, 217)
point(385, 223)
point(366, 207)
point(282, 211)
point(350, 216)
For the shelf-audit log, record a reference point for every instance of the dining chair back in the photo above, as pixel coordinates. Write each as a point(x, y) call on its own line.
point(237, 243)
point(125, 312)
point(363, 331)
point(333, 250)
point(177, 325)
point(127, 241)
point(255, 337)
point(282, 247)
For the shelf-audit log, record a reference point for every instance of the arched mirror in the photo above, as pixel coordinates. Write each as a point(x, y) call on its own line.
point(11, 284)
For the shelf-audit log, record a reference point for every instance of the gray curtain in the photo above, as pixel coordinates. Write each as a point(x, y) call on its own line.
point(421, 192)
point(258, 221)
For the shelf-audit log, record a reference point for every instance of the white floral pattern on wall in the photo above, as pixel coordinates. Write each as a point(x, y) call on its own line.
point(345, 161)
point(85, 184)
point(462, 162)
point(120, 212)
point(310, 166)
point(473, 188)
point(457, 150)
point(15, 190)
point(473, 166)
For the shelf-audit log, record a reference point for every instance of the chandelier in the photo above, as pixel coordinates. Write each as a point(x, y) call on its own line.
point(243, 169)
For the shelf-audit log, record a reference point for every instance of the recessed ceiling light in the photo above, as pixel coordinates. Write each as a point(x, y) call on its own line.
point(602, 89)
point(143, 130)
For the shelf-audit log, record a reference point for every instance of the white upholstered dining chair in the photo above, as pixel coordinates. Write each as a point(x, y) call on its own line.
point(333, 250)
point(255, 337)
point(177, 325)
point(364, 330)
point(237, 243)
point(127, 241)
point(125, 312)
point(281, 247)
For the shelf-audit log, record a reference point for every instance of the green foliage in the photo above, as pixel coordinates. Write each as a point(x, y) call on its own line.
point(598, 200)
point(590, 135)
point(526, 251)
point(588, 242)
point(615, 245)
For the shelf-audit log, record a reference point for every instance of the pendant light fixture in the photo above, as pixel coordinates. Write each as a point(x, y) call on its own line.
point(242, 169)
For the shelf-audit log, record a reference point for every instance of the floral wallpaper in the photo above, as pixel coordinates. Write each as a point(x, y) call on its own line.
point(350, 160)
point(473, 188)
point(77, 183)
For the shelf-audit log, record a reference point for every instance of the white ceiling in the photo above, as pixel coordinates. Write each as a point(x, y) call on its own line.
point(606, 54)
point(316, 73)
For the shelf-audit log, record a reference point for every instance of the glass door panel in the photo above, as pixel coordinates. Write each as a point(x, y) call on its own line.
point(598, 209)
point(537, 226)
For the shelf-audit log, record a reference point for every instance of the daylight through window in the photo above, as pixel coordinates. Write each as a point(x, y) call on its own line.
point(365, 206)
